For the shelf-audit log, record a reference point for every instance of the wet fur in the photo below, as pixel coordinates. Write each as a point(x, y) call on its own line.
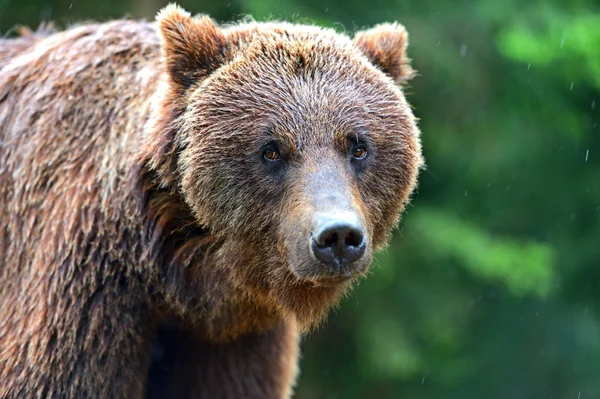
point(119, 230)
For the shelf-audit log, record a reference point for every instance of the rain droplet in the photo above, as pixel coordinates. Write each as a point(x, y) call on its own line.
point(438, 43)
point(423, 380)
point(587, 153)
point(571, 88)
point(528, 66)
point(593, 104)
point(466, 191)
point(562, 40)
point(579, 396)
point(463, 50)
point(70, 6)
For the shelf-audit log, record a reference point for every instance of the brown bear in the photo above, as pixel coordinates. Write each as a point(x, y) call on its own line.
point(180, 200)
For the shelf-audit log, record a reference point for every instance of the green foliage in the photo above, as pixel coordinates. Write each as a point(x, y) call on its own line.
point(567, 44)
point(491, 287)
point(523, 267)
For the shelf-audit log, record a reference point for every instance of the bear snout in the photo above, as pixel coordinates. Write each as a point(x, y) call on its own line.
point(328, 240)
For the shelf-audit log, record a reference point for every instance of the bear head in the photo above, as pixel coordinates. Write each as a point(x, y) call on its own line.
point(292, 145)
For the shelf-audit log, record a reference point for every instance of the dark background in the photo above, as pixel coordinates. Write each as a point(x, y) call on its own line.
point(491, 288)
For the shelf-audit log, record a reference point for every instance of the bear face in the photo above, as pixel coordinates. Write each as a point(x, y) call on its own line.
point(292, 145)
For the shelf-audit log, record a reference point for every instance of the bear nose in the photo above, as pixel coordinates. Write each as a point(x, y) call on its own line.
point(338, 239)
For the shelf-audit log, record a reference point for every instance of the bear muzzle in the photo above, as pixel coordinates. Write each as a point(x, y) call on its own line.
point(327, 239)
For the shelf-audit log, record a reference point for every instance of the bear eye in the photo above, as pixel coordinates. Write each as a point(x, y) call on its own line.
point(359, 152)
point(271, 154)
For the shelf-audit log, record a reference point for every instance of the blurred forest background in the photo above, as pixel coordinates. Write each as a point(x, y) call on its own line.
point(491, 288)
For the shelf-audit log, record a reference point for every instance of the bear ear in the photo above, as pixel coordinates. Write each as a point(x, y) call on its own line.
point(385, 46)
point(192, 47)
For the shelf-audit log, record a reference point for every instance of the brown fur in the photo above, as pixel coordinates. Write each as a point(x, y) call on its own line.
point(10, 48)
point(132, 194)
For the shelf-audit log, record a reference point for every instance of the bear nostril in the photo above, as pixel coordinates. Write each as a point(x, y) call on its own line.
point(330, 240)
point(353, 238)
